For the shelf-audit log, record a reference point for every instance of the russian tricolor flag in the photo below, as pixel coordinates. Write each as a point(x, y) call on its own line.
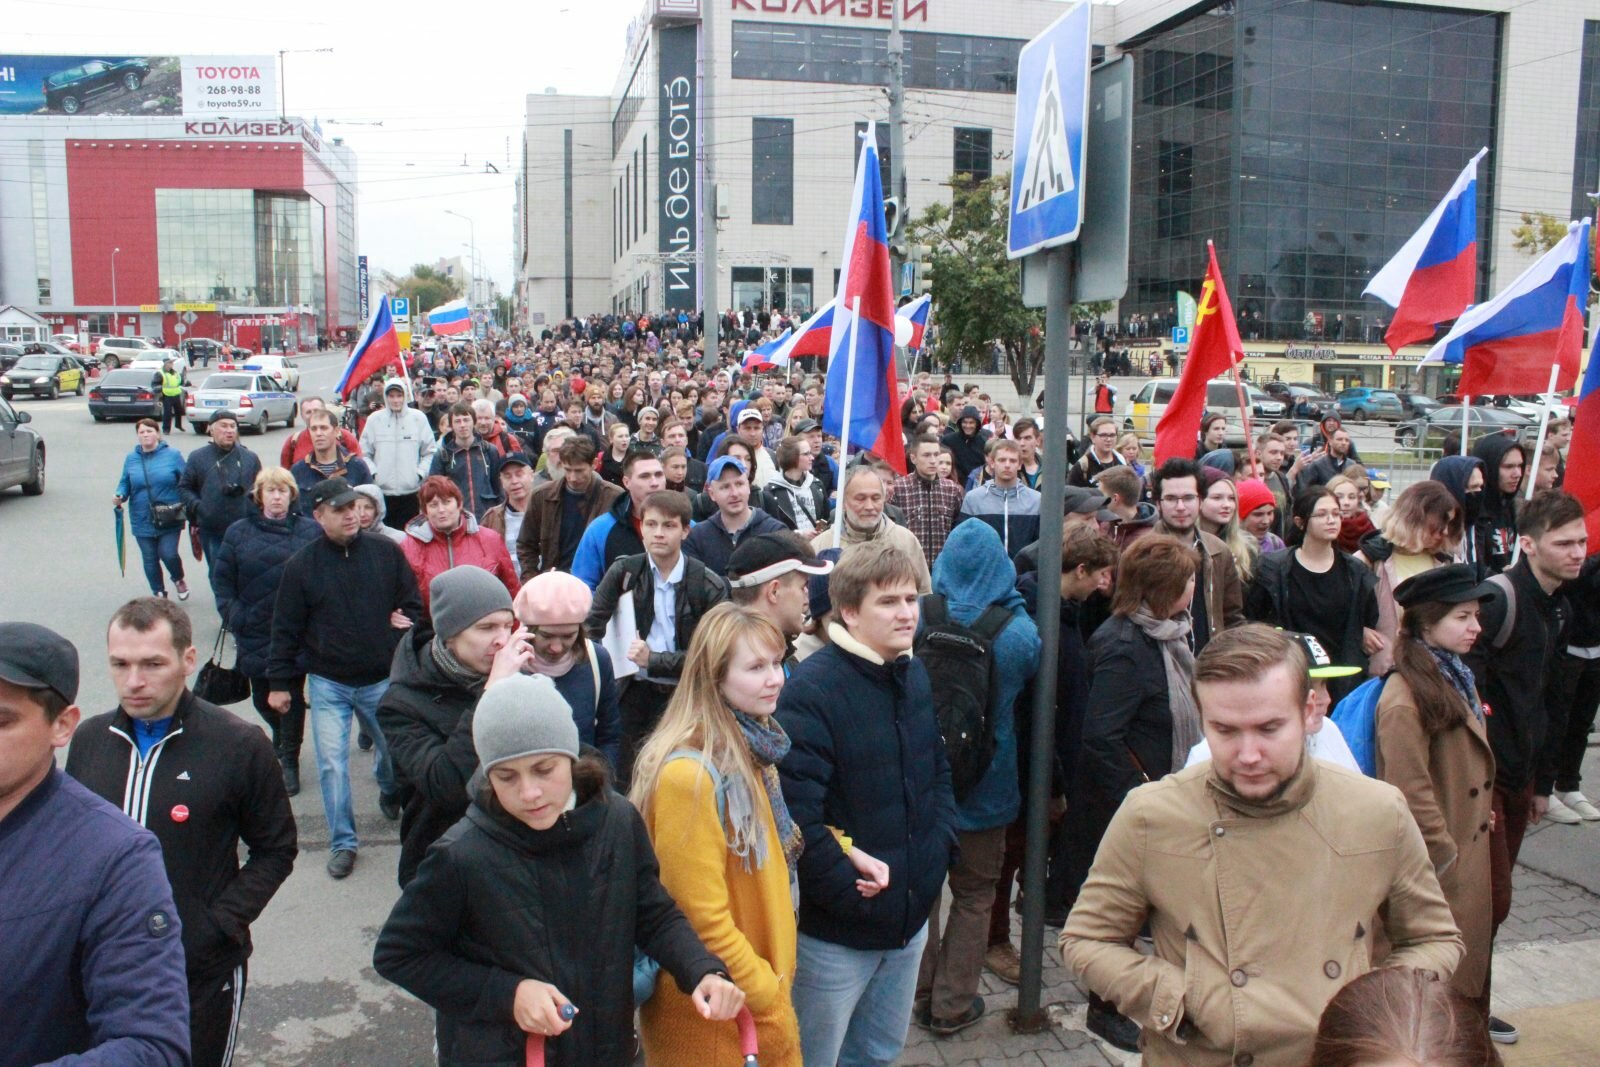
point(916, 313)
point(862, 384)
point(1509, 344)
point(450, 318)
point(377, 348)
point(810, 339)
point(1583, 456)
point(1433, 277)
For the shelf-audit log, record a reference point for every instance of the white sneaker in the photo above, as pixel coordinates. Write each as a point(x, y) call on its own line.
point(1579, 803)
point(1559, 812)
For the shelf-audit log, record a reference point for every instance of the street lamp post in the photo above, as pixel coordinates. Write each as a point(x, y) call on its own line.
point(472, 232)
point(114, 252)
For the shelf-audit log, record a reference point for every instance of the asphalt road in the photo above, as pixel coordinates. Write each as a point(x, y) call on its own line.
point(313, 997)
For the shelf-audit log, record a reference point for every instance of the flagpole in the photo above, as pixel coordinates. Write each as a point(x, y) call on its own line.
point(1544, 423)
point(849, 395)
point(1466, 420)
point(1244, 412)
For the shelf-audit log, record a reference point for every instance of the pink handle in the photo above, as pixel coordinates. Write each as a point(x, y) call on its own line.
point(747, 1037)
point(534, 1053)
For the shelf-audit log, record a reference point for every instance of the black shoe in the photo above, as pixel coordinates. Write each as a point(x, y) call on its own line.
point(947, 1027)
point(1114, 1029)
point(922, 1011)
point(364, 741)
point(1055, 918)
point(341, 863)
point(291, 780)
point(1503, 1032)
point(389, 805)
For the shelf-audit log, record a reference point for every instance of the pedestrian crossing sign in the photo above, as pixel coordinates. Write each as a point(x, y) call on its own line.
point(1052, 114)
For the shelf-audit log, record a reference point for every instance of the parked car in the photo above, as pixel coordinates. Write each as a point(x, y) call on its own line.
point(1430, 430)
point(203, 350)
point(1302, 399)
point(1360, 403)
point(1147, 406)
point(153, 358)
point(66, 90)
point(9, 354)
point(44, 375)
point(21, 452)
point(280, 367)
point(116, 351)
point(69, 341)
point(257, 399)
point(126, 394)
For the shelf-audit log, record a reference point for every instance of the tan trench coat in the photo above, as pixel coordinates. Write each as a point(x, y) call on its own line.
point(1448, 782)
point(1258, 916)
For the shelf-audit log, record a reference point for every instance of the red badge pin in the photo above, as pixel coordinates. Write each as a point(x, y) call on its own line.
point(180, 813)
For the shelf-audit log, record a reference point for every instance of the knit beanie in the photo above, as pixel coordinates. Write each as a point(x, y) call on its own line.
point(524, 715)
point(461, 596)
point(1253, 494)
point(554, 598)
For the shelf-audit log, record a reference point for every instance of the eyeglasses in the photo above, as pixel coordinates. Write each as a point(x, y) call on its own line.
point(1189, 500)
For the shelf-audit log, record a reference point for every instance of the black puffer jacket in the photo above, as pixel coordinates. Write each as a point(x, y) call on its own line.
point(496, 902)
point(245, 577)
point(426, 718)
point(216, 485)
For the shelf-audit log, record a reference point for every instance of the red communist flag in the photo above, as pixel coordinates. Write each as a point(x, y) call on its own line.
point(1213, 347)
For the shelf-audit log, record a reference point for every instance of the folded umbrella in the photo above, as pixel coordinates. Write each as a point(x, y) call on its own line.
point(122, 541)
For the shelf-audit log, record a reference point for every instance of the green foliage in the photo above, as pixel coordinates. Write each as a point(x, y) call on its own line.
point(977, 290)
point(427, 288)
point(1538, 233)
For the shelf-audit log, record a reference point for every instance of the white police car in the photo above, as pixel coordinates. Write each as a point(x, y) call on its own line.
point(282, 368)
point(257, 399)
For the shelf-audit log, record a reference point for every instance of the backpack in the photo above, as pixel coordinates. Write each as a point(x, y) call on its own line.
point(1356, 717)
point(1502, 636)
point(961, 667)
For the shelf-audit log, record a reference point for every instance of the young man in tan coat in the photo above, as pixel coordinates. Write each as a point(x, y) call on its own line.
point(1259, 873)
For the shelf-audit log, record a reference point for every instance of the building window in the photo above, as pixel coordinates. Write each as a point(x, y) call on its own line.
point(772, 172)
point(858, 137)
point(644, 182)
point(848, 55)
point(962, 62)
point(1586, 161)
point(99, 322)
point(974, 152)
point(44, 290)
point(749, 288)
point(632, 101)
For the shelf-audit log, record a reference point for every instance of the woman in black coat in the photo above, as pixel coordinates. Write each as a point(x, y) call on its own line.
point(245, 577)
point(532, 904)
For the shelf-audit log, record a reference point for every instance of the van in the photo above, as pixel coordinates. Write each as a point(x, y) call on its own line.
point(1146, 407)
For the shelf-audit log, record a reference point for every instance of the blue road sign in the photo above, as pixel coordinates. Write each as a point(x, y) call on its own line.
point(1180, 335)
point(400, 307)
point(1052, 112)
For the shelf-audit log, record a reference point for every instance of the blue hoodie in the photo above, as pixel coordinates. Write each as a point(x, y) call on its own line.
point(971, 573)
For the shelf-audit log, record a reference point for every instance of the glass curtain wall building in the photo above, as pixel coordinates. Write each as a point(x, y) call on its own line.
point(240, 246)
point(1308, 139)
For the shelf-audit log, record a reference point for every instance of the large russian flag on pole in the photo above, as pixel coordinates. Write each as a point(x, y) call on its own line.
point(862, 393)
point(450, 318)
point(916, 313)
point(1509, 344)
point(1583, 456)
point(1433, 277)
point(377, 348)
point(811, 338)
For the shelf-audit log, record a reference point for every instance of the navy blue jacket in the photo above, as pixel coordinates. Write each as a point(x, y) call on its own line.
point(355, 470)
point(91, 956)
point(245, 577)
point(712, 544)
point(599, 721)
point(867, 758)
point(216, 486)
point(474, 469)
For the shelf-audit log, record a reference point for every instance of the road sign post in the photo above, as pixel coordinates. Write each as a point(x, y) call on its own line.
point(1047, 209)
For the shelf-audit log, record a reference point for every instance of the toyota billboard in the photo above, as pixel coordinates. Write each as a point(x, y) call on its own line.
point(135, 86)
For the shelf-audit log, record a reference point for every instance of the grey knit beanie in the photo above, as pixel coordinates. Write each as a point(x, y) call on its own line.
point(523, 716)
point(461, 596)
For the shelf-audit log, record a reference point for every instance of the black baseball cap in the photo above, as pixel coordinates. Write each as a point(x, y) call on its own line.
point(1317, 658)
point(334, 492)
point(1081, 501)
point(516, 456)
point(762, 558)
point(806, 426)
point(34, 657)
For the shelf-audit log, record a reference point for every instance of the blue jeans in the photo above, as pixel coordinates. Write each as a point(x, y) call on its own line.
point(332, 704)
point(854, 1005)
point(162, 548)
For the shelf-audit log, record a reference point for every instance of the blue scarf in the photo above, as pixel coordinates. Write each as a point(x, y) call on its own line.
point(768, 745)
point(1459, 675)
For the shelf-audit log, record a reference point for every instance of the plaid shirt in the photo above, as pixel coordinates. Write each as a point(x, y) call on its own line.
point(930, 508)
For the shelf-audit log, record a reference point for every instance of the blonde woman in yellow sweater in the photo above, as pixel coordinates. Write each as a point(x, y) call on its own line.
point(706, 783)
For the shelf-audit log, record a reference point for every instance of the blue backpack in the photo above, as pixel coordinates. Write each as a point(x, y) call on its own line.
point(1356, 717)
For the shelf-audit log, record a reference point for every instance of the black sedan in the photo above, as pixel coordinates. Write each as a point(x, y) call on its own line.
point(66, 90)
point(126, 394)
point(1431, 429)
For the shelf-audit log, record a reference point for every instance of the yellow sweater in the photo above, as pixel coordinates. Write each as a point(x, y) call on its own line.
point(746, 918)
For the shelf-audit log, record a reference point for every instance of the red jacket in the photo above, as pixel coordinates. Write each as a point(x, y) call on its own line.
point(298, 447)
point(431, 553)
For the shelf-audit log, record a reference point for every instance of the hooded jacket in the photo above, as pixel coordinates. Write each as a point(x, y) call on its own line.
point(1126, 531)
point(472, 467)
point(400, 447)
point(1453, 472)
point(968, 448)
point(1012, 513)
point(245, 575)
point(216, 486)
point(1496, 523)
point(497, 901)
point(375, 494)
point(787, 502)
point(973, 573)
point(431, 553)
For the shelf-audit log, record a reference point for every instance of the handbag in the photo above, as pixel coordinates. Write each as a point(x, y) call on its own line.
point(216, 684)
point(162, 516)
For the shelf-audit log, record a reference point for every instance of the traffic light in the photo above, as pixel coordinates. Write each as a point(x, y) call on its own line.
point(921, 261)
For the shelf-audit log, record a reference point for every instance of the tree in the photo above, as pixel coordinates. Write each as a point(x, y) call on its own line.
point(427, 288)
point(978, 289)
point(502, 311)
point(1538, 233)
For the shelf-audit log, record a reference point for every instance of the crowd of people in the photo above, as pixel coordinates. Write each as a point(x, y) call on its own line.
point(684, 715)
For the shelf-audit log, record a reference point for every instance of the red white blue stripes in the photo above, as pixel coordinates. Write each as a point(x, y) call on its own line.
point(450, 318)
point(916, 313)
point(376, 348)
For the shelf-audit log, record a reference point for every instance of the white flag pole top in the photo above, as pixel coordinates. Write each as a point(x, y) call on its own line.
point(1389, 284)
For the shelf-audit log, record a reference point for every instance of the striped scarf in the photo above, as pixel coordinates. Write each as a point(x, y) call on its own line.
point(768, 745)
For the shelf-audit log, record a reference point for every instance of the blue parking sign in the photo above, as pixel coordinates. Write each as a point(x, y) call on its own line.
point(400, 308)
point(1052, 113)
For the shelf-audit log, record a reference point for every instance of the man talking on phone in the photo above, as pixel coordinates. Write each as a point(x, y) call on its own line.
point(439, 673)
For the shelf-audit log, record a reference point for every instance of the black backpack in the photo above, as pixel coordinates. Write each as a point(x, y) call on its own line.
point(961, 666)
